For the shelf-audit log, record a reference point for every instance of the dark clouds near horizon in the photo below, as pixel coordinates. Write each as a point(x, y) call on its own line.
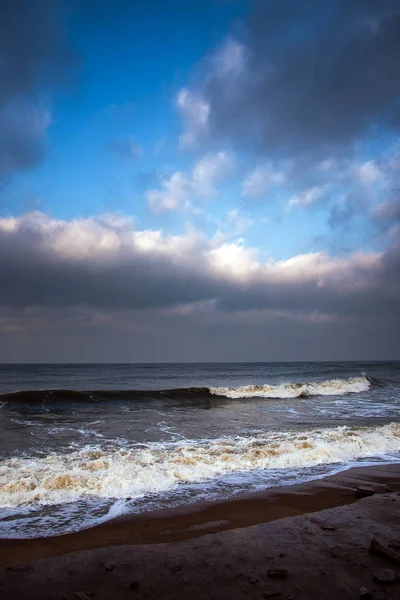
point(107, 264)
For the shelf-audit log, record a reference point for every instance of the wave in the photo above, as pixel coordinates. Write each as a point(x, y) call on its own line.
point(155, 467)
point(331, 387)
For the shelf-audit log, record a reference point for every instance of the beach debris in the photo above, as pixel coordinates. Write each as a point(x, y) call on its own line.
point(385, 576)
point(328, 527)
point(176, 568)
point(381, 550)
point(109, 566)
point(277, 573)
point(364, 491)
point(365, 593)
point(134, 585)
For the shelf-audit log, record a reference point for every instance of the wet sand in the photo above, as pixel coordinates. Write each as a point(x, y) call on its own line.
point(320, 532)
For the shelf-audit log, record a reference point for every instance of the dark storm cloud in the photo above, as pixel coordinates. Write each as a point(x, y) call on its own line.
point(317, 76)
point(32, 47)
point(103, 263)
point(34, 57)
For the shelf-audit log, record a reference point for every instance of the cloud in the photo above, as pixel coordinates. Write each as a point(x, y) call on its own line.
point(308, 196)
point(261, 179)
point(316, 77)
point(208, 171)
point(195, 113)
point(174, 194)
point(230, 59)
point(178, 189)
point(23, 130)
point(105, 263)
point(369, 173)
point(34, 57)
point(125, 147)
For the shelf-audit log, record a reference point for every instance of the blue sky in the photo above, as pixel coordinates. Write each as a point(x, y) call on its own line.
point(131, 64)
point(248, 148)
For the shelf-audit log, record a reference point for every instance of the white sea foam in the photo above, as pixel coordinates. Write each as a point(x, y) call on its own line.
point(332, 387)
point(90, 473)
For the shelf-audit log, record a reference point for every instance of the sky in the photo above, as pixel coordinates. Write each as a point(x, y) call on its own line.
point(215, 180)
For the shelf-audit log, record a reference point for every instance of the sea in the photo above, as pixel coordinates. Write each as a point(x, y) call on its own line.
point(83, 443)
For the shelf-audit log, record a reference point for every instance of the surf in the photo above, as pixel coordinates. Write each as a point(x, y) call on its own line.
point(158, 467)
point(330, 387)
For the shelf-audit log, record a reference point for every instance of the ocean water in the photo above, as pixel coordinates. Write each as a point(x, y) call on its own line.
point(80, 444)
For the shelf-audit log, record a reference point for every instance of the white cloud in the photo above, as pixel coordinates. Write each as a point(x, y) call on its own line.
point(195, 112)
point(200, 182)
point(369, 173)
point(308, 196)
point(230, 58)
point(174, 194)
point(208, 171)
point(261, 179)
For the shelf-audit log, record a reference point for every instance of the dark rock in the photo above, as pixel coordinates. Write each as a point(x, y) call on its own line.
point(277, 573)
point(385, 576)
point(328, 527)
point(281, 555)
point(380, 550)
point(109, 566)
point(271, 594)
point(395, 544)
point(364, 491)
point(134, 585)
point(365, 594)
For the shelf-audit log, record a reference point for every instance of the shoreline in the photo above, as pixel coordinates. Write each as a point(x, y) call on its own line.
point(201, 519)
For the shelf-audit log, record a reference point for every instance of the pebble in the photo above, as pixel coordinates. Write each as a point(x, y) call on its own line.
point(385, 576)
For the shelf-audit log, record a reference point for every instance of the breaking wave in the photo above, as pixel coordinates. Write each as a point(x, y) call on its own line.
point(152, 468)
point(332, 387)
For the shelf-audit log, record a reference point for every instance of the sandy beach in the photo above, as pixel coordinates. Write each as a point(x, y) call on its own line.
point(318, 534)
